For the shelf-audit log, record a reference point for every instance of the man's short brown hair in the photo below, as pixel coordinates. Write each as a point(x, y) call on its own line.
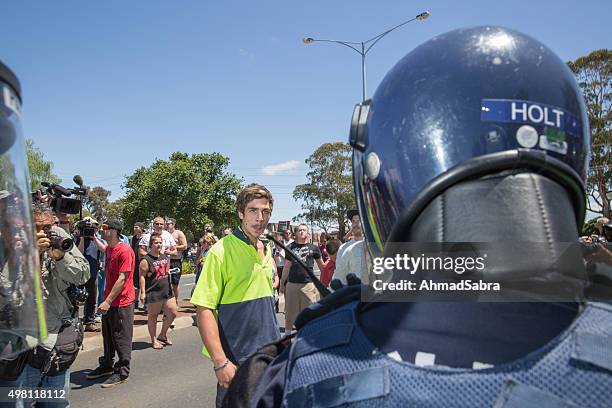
point(332, 246)
point(250, 193)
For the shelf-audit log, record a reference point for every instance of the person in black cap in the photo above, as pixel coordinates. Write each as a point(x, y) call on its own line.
point(117, 307)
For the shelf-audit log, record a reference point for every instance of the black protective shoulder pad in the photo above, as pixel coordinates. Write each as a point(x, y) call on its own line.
point(328, 304)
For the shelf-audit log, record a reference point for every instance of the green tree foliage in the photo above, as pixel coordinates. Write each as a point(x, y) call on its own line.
point(195, 190)
point(114, 210)
point(40, 169)
point(329, 193)
point(96, 201)
point(590, 227)
point(594, 74)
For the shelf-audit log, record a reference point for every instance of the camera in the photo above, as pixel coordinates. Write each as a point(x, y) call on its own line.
point(77, 295)
point(87, 228)
point(60, 200)
point(59, 242)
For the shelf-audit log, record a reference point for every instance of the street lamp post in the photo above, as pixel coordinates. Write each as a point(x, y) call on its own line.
point(362, 48)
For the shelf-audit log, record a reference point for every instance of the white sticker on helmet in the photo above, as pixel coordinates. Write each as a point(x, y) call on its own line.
point(527, 136)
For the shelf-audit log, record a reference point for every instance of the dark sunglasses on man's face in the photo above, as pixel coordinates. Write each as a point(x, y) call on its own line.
point(159, 223)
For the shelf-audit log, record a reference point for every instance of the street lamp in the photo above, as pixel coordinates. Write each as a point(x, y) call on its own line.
point(363, 50)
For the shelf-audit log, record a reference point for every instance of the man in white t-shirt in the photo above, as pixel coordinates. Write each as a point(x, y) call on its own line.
point(353, 261)
point(169, 243)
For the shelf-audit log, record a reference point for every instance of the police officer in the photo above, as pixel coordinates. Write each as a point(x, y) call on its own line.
point(478, 135)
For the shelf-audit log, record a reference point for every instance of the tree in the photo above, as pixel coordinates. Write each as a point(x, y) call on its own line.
point(594, 74)
point(590, 227)
point(195, 190)
point(329, 193)
point(40, 169)
point(114, 210)
point(97, 202)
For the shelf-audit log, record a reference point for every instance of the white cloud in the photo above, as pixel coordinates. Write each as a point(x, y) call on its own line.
point(273, 169)
point(243, 52)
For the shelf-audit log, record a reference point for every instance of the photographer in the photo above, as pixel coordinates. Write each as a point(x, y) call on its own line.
point(90, 245)
point(62, 267)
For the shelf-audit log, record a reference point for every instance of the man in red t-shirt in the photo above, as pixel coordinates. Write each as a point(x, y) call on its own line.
point(117, 308)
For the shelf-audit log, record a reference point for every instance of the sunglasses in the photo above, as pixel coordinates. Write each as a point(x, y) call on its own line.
point(159, 223)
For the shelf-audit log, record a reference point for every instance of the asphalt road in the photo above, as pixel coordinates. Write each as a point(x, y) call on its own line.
point(176, 376)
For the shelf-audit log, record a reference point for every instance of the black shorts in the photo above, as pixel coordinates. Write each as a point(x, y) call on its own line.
point(176, 277)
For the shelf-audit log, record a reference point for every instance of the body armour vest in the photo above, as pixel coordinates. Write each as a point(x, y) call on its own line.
point(332, 363)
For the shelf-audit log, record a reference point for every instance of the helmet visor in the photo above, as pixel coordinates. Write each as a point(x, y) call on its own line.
point(21, 314)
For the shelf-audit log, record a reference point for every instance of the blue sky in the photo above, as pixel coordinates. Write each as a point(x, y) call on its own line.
point(110, 86)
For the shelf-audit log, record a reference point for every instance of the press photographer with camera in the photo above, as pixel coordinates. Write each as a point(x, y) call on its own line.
point(90, 245)
point(63, 268)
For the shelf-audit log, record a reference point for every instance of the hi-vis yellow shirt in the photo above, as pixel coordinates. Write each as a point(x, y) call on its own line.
point(236, 283)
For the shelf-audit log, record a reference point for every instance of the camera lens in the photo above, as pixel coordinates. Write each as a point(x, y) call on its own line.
point(66, 244)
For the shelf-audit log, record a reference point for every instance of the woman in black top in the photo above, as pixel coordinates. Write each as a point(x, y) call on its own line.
point(155, 291)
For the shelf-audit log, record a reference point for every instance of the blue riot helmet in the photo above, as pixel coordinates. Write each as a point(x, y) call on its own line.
point(21, 322)
point(465, 104)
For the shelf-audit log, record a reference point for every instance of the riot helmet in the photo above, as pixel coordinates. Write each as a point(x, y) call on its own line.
point(21, 322)
point(465, 104)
